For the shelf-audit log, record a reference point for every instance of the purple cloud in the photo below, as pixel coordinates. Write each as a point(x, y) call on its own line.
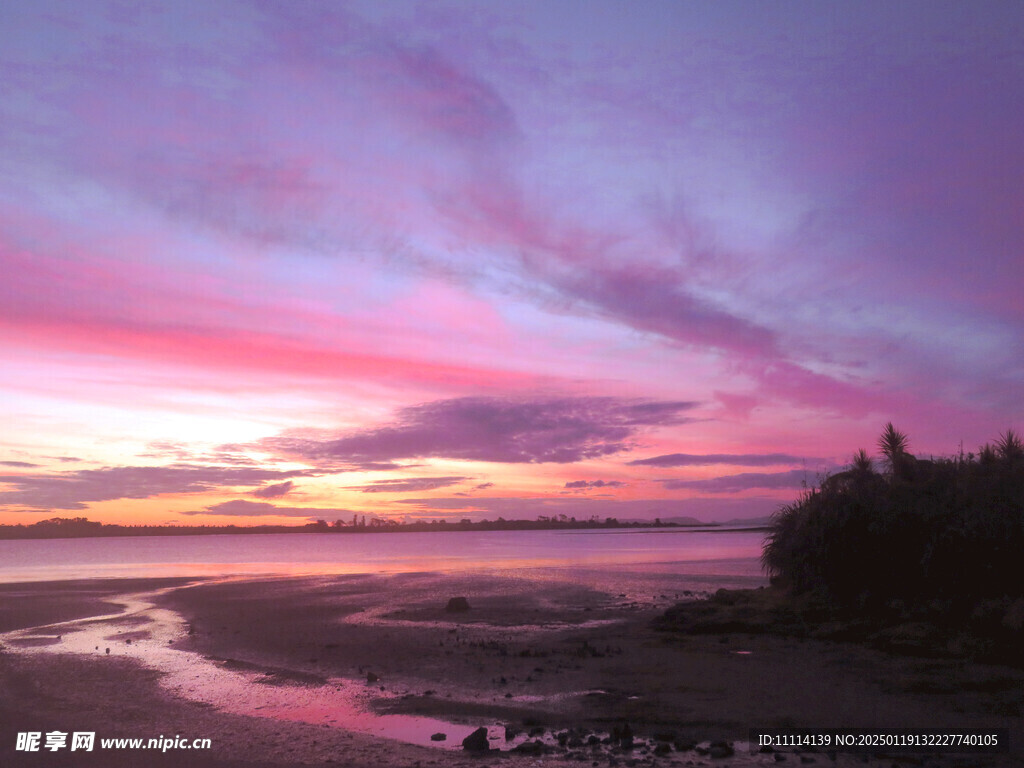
point(494, 429)
point(274, 491)
point(697, 460)
point(410, 484)
point(796, 478)
point(18, 464)
point(584, 484)
point(243, 508)
point(657, 300)
point(71, 490)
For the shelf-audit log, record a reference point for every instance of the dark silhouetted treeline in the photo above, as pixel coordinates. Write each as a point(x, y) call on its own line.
point(79, 527)
point(943, 534)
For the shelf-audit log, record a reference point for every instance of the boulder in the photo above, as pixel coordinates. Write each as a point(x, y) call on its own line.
point(720, 749)
point(457, 605)
point(476, 741)
point(535, 747)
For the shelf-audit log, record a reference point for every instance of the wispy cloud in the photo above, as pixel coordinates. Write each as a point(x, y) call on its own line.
point(582, 485)
point(796, 478)
point(73, 490)
point(243, 508)
point(559, 430)
point(702, 459)
point(408, 484)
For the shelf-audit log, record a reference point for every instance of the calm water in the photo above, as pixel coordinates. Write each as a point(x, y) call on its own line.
point(715, 557)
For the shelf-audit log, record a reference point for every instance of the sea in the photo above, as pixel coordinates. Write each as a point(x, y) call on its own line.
point(689, 558)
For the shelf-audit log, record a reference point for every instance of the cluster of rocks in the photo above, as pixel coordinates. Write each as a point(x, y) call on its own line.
point(580, 744)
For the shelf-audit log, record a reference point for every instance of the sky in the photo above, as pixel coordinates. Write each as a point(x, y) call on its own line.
point(270, 262)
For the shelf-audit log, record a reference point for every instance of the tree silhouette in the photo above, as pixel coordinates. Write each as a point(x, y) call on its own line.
point(1010, 448)
point(893, 445)
point(862, 464)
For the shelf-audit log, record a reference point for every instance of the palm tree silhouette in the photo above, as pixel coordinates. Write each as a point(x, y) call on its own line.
point(893, 445)
point(862, 465)
point(1010, 447)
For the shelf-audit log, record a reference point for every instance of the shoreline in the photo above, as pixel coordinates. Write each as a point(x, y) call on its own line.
point(530, 654)
point(75, 529)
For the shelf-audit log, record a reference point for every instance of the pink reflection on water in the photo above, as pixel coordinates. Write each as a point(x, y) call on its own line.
point(310, 554)
point(410, 729)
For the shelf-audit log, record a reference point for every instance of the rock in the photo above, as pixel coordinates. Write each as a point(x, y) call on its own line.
point(439, 737)
point(626, 739)
point(372, 678)
point(720, 749)
point(662, 749)
point(457, 605)
point(476, 741)
point(534, 747)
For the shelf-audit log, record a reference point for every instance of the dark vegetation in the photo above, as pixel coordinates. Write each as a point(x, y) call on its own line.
point(946, 529)
point(925, 556)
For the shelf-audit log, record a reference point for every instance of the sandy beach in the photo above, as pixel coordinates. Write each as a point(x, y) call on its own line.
point(364, 670)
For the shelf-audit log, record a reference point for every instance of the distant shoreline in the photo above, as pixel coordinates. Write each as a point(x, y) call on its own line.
point(77, 528)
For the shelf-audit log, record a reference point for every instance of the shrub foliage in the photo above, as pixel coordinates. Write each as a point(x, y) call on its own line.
point(948, 530)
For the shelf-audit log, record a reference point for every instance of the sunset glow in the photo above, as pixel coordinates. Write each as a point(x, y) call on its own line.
point(274, 262)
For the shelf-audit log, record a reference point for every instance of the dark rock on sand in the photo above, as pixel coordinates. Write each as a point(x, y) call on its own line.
point(372, 678)
point(439, 737)
point(535, 747)
point(457, 605)
point(476, 741)
point(720, 749)
point(623, 736)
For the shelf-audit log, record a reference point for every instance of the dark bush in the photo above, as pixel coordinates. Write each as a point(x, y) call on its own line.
point(945, 532)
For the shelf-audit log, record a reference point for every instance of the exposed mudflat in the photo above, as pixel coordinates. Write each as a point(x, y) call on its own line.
point(371, 670)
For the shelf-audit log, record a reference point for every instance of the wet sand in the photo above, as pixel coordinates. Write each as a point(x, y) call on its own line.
point(555, 658)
